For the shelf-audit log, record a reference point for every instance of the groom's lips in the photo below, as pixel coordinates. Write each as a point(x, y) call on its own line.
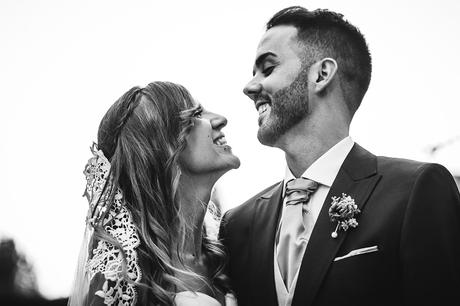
point(260, 102)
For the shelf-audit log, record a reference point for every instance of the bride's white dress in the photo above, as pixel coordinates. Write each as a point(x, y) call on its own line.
point(189, 298)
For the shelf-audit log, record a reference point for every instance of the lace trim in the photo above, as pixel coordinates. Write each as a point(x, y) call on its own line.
point(107, 259)
point(98, 184)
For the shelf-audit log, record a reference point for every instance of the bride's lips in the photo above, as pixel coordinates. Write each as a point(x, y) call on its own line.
point(220, 141)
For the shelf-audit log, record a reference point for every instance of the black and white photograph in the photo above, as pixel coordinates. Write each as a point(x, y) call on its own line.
point(229, 153)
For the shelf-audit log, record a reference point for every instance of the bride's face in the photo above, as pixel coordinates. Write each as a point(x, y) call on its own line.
point(207, 151)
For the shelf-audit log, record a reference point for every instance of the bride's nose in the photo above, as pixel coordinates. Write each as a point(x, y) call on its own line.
point(218, 121)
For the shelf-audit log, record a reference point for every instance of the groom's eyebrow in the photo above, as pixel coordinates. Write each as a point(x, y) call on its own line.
point(260, 59)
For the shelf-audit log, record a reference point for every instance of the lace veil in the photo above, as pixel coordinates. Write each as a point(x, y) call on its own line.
point(108, 209)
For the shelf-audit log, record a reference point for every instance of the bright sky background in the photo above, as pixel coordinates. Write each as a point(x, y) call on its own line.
point(63, 63)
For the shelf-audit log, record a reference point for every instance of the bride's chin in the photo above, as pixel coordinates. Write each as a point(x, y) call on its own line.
point(233, 162)
point(237, 162)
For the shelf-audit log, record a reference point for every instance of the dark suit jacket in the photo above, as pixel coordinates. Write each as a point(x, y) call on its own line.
point(409, 210)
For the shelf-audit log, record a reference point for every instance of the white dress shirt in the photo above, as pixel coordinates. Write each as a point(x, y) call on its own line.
point(323, 171)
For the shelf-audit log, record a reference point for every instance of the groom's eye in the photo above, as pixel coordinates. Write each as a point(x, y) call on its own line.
point(267, 71)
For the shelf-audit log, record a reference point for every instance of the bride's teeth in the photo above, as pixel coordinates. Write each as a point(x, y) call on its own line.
point(221, 141)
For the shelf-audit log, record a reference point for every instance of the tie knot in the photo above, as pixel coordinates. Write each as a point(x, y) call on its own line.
point(299, 190)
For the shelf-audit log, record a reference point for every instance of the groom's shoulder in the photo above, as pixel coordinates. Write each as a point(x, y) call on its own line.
point(248, 205)
point(265, 192)
point(383, 164)
point(400, 168)
point(398, 165)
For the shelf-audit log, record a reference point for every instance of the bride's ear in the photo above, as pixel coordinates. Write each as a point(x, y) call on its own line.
point(323, 73)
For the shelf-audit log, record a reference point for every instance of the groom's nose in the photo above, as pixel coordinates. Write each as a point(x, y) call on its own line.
point(252, 89)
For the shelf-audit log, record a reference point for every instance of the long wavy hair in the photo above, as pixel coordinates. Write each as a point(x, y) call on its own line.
point(142, 135)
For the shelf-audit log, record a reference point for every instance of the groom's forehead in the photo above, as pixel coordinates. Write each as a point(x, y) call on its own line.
point(276, 41)
point(278, 35)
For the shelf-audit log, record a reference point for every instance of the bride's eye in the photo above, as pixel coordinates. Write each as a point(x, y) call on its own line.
point(198, 113)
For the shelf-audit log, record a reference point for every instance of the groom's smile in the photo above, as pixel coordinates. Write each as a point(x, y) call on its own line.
point(263, 106)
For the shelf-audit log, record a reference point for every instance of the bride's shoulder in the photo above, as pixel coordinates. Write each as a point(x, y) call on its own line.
point(190, 298)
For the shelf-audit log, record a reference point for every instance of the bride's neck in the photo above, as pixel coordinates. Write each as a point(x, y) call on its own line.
point(194, 198)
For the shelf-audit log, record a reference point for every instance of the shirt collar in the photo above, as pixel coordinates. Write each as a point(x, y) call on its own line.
point(325, 168)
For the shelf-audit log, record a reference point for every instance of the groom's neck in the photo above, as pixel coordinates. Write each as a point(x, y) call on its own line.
point(301, 151)
point(305, 142)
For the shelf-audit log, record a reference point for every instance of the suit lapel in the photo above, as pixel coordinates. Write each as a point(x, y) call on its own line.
point(357, 178)
point(265, 220)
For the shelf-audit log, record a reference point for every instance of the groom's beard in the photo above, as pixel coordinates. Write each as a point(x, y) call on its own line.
point(288, 107)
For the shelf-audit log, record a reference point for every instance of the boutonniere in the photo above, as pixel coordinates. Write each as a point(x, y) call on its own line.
point(343, 210)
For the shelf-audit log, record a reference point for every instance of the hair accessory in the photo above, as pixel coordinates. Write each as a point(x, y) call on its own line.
point(131, 104)
point(107, 207)
point(98, 185)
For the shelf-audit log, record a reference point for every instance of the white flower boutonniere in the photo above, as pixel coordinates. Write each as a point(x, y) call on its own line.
point(343, 210)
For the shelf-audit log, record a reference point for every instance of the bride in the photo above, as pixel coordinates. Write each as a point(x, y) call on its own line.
point(149, 182)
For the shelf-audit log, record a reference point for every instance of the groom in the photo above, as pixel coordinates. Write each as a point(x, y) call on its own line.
point(344, 227)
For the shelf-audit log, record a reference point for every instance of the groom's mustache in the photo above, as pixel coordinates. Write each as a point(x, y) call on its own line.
point(261, 98)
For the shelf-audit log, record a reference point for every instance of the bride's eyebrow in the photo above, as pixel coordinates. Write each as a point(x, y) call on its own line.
point(198, 108)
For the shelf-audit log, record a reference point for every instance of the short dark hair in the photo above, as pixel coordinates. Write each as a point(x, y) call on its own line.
point(328, 34)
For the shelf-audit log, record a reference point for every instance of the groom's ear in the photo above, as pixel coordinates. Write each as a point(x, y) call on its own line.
point(323, 73)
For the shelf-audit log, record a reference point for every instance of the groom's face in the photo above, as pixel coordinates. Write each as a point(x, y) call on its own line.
point(279, 84)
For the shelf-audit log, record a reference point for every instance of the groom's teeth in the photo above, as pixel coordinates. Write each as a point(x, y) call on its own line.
point(262, 108)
